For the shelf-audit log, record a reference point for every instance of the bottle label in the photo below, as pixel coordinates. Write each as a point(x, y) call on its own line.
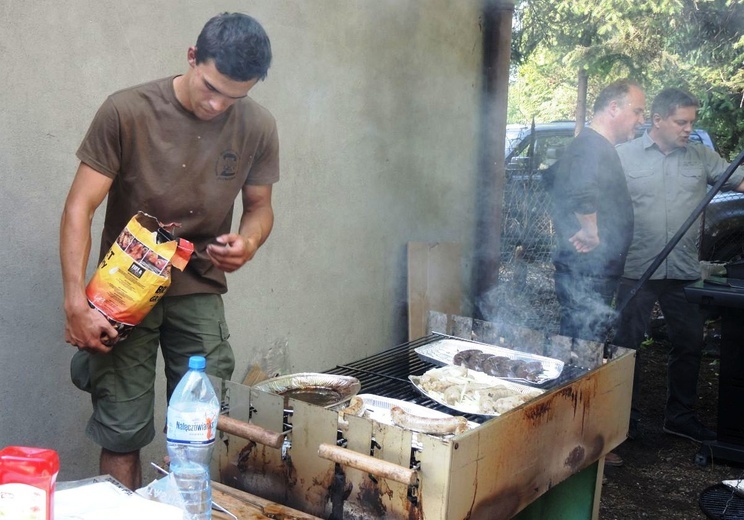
point(191, 427)
point(22, 502)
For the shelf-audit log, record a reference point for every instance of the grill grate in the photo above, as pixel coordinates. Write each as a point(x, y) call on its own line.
point(721, 503)
point(386, 374)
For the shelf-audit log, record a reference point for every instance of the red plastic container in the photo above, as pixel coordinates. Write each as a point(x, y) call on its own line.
point(27, 480)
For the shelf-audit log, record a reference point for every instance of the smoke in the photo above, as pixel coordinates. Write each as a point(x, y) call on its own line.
point(585, 301)
point(524, 296)
point(523, 312)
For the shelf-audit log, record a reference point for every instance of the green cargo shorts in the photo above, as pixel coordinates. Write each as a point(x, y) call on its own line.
point(122, 382)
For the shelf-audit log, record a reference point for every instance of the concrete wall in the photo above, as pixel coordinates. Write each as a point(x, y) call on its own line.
point(377, 106)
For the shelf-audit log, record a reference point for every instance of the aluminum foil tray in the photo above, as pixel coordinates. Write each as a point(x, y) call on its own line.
point(325, 390)
point(442, 352)
point(377, 408)
point(468, 384)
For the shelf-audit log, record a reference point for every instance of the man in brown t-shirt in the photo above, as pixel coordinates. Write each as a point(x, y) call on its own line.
point(181, 149)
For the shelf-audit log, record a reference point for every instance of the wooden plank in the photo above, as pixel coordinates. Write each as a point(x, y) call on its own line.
point(255, 375)
point(433, 283)
point(241, 509)
point(251, 507)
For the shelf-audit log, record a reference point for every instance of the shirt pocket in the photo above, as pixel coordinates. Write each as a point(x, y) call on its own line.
point(640, 181)
point(691, 176)
point(641, 173)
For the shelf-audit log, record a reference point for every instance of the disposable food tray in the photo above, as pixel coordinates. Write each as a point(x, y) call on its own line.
point(325, 390)
point(442, 352)
point(472, 380)
point(378, 408)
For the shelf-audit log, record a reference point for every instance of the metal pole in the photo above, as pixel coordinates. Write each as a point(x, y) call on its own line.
point(497, 24)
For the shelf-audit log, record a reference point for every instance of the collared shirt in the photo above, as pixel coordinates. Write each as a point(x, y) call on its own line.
point(665, 190)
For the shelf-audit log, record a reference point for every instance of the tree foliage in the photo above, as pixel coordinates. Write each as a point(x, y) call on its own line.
point(697, 45)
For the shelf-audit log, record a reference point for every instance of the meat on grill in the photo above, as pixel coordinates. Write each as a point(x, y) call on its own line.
point(499, 366)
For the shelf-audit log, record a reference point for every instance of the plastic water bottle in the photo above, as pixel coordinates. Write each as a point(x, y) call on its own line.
point(192, 422)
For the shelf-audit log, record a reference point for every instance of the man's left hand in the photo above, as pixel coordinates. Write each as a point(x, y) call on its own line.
point(230, 252)
point(584, 241)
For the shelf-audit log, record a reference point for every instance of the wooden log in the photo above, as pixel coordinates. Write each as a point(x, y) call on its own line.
point(376, 467)
point(587, 353)
point(559, 347)
point(462, 327)
point(436, 322)
point(250, 432)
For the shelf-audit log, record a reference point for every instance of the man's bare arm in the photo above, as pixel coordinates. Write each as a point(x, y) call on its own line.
point(84, 327)
point(256, 223)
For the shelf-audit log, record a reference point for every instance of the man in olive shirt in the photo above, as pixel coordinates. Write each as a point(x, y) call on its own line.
point(667, 178)
point(180, 148)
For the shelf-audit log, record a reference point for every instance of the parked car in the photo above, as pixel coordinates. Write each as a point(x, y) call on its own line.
point(526, 205)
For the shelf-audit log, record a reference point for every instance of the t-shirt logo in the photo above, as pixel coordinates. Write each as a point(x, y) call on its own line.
point(227, 165)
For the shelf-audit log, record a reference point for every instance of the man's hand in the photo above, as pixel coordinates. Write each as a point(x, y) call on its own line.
point(88, 329)
point(586, 238)
point(584, 241)
point(231, 252)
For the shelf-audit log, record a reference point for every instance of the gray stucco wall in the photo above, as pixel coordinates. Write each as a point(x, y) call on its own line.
point(377, 106)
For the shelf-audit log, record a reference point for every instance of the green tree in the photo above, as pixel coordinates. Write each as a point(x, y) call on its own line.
point(582, 40)
point(582, 45)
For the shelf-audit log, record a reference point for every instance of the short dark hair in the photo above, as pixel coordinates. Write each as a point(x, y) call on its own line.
point(238, 44)
point(615, 91)
point(670, 99)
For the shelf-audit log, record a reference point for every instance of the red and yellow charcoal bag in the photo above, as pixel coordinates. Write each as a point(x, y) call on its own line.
point(136, 271)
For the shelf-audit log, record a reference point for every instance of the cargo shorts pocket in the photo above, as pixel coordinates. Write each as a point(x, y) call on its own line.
point(224, 331)
point(80, 370)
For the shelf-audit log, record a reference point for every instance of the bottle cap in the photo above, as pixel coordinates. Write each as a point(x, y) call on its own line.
point(197, 363)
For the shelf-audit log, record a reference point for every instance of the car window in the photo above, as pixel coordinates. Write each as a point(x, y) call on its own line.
point(546, 151)
point(515, 134)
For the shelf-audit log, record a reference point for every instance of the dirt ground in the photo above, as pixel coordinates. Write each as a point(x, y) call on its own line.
point(659, 478)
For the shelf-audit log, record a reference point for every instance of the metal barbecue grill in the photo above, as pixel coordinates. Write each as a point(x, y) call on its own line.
point(386, 374)
point(726, 294)
point(370, 469)
point(720, 503)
